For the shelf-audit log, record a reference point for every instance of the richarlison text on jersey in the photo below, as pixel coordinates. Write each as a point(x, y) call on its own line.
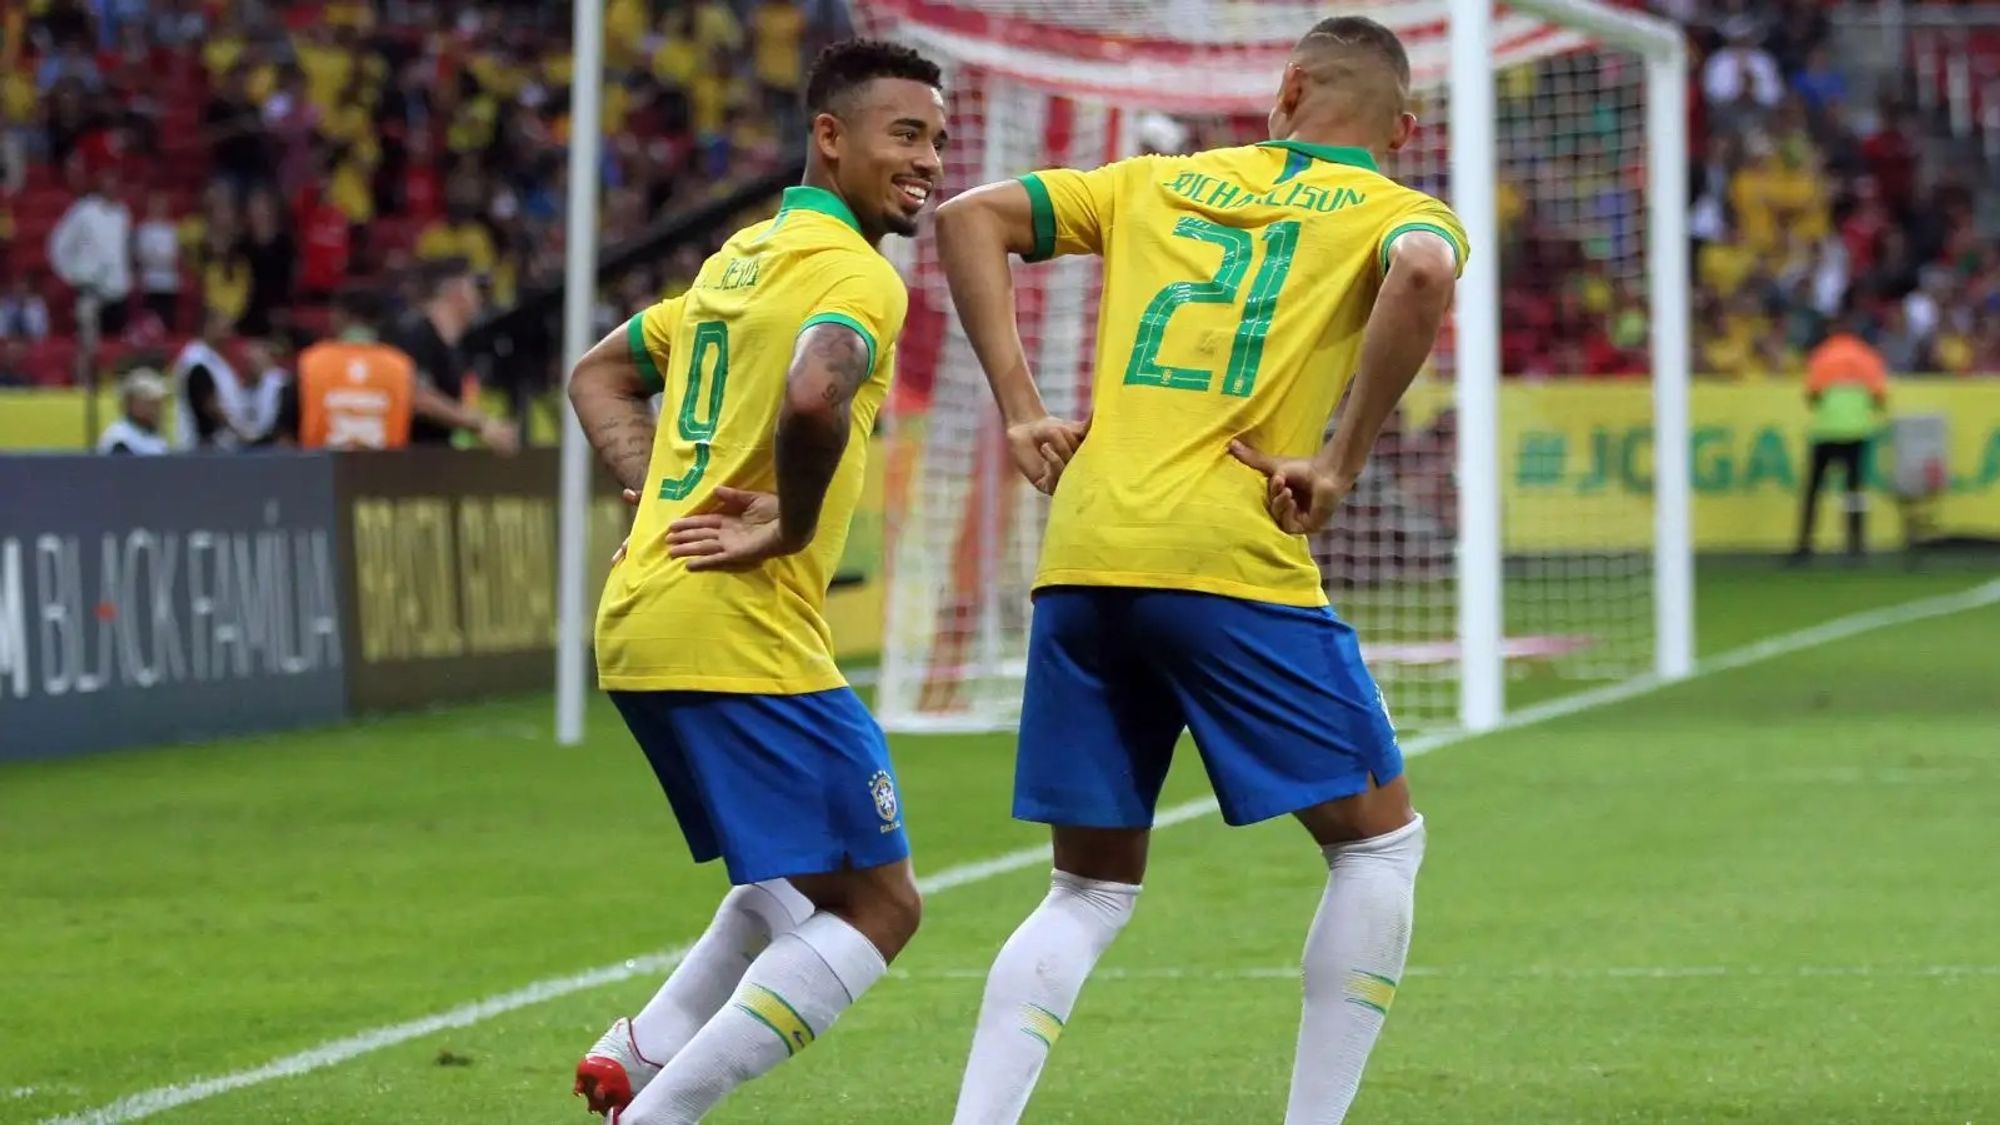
point(1213, 191)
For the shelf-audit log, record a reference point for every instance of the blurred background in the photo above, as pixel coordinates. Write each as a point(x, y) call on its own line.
point(257, 158)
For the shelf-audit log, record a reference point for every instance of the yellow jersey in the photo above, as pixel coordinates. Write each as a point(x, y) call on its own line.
point(721, 353)
point(1236, 285)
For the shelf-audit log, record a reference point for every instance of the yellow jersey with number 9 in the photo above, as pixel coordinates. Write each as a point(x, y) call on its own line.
point(719, 354)
point(1236, 285)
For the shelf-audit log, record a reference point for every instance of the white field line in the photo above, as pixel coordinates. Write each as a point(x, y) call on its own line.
point(146, 1103)
point(1533, 972)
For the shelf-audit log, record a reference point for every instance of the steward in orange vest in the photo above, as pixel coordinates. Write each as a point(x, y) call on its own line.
point(354, 392)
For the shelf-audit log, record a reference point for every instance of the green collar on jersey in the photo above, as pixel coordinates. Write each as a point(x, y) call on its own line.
point(804, 197)
point(1332, 154)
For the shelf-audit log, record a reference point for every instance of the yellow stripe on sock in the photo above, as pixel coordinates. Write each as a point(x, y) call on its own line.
point(1371, 990)
point(1041, 1023)
point(771, 1010)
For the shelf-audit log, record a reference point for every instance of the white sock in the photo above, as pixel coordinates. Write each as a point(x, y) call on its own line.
point(1354, 957)
point(789, 997)
point(744, 924)
point(1031, 990)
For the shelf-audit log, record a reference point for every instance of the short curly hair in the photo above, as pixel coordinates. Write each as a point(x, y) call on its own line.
point(844, 66)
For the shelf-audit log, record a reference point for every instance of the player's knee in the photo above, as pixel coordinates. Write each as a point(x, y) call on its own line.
point(1105, 904)
point(903, 907)
point(774, 906)
point(1376, 812)
point(889, 914)
point(1112, 855)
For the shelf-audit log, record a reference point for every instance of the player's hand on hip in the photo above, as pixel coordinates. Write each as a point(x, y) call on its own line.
point(740, 533)
point(1299, 494)
point(1042, 448)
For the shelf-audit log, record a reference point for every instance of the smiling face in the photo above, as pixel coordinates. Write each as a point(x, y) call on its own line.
point(882, 146)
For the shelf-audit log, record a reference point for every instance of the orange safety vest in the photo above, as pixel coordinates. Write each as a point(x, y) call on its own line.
point(354, 395)
point(1845, 359)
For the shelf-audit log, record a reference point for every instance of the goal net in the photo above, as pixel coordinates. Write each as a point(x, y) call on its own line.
point(1505, 542)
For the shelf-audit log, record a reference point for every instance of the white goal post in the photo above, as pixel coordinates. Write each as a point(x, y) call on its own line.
point(1459, 588)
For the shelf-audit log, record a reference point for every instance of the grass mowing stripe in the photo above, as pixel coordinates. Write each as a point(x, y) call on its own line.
point(334, 1052)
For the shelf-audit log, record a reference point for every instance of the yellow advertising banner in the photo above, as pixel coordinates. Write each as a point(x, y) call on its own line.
point(1576, 461)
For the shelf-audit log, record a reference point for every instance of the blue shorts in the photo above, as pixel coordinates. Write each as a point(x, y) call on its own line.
point(776, 785)
point(1283, 711)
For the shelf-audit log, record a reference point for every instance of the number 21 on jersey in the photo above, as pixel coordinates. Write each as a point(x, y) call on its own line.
point(1280, 240)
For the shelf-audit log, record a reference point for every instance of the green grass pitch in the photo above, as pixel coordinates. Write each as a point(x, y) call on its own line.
point(1769, 895)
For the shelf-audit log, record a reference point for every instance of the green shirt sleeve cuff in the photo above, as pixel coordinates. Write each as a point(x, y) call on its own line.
point(1458, 248)
point(844, 321)
point(642, 356)
point(1044, 212)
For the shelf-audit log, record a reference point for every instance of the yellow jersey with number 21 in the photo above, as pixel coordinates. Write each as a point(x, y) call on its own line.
point(1236, 285)
point(720, 354)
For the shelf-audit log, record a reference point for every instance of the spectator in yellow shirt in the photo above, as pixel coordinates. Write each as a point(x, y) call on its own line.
point(780, 30)
point(1779, 192)
point(624, 32)
point(1729, 337)
point(459, 234)
point(678, 59)
point(351, 188)
point(708, 97)
point(1724, 266)
point(474, 115)
point(225, 275)
point(327, 63)
point(358, 15)
point(351, 121)
point(716, 27)
point(1955, 352)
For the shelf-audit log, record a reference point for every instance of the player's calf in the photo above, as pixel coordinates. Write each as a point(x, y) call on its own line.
point(792, 993)
point(628, 1056)
point(1034, 983)
point(882, 903)
point(1357, 945)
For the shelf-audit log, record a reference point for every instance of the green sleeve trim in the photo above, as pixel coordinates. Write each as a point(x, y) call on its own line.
point(1457, 247)
point(844, 321)
point(649, 371)
point(1044, 211)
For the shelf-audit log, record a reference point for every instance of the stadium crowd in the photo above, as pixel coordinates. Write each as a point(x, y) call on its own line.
point(185, 169)
point(166, 168)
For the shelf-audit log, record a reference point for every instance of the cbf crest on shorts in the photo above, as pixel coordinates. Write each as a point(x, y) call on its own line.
point(883, 788)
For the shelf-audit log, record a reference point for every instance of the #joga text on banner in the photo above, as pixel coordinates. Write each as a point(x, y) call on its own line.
point(1577, 462)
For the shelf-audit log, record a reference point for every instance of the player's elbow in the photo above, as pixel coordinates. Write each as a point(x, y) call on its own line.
point(1426, 276)
point(594, 380)
point(810, 404)
point(1423, 264)
point(957, 221)
point(977, 222)
point(578, 387)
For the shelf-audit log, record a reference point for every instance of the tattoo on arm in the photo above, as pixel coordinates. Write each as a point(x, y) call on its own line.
point(612, 404)
point(811, 442)
point(842, 354)
point(622, 433)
